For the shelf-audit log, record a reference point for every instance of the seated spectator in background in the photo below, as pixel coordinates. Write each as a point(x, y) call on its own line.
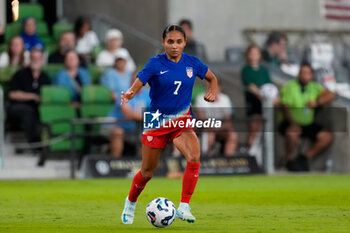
point(193, 47)
point(17, 55)
point(275, 51)
point(221, 109)
point(72, 76)
point(254, 75)
point(87, 39)
point(118, 78)
point(299, 98)
point(24, 96)
point(66, 42)
point(30, 38)
point(114, 41)
point(128, 115)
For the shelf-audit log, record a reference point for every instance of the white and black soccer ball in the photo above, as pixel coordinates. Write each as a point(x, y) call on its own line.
point(161, 212)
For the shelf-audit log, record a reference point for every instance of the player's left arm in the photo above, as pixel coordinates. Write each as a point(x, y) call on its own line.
point(211, 94)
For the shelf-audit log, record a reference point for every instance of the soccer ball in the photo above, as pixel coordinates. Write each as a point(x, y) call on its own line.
point(269, 91)
point(161, 212)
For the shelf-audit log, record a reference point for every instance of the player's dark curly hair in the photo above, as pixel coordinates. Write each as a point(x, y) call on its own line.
point(173, 28)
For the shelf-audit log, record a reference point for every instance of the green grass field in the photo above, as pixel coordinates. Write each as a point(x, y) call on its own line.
point(221, 204)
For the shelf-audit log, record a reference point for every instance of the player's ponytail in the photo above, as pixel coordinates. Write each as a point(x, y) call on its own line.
point(173, 28)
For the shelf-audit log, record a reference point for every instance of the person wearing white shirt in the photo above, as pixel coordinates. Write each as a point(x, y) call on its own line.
point(114, 41)
point(87, 39)
point(221, 109)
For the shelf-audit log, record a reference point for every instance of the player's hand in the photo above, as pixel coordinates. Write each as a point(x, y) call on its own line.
point(126, 96)
point(210, 97)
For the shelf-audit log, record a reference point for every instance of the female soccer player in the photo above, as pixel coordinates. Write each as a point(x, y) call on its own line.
point(171, 77)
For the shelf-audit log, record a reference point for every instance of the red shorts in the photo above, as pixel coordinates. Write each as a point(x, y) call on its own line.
point(161, 141)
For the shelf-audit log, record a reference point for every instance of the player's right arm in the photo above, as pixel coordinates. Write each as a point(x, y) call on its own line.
point(131, 92)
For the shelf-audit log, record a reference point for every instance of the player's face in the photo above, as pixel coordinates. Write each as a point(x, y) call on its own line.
point(174, 43)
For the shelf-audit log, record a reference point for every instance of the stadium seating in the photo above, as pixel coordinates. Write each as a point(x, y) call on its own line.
point(95, 73)
point(55, 95)
point(52, 69)
point(11, 30)
point(56, 112)
point(96, 102)
point(34, 10)
point(96, 94)
point(58, 28)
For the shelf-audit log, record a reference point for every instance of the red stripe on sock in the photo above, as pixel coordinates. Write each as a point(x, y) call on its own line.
point(138, 184)
point(189, 181)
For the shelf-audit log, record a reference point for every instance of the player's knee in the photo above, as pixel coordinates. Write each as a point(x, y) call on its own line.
point(194, 157)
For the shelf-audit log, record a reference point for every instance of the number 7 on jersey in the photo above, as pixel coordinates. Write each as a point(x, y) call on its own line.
point(178, 83)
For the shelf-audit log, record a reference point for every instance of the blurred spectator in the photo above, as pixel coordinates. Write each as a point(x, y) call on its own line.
point(16, 55)
point(254, 75)
point(117, 78)
point(114, 41)
point(66, 42)
point(275, 51)
point(24, 96)
point(127, 115)
point(30, 38)
point(86, 38)
point(73, 76)
point(193, 47)
point(221, 109)
point(299, 98)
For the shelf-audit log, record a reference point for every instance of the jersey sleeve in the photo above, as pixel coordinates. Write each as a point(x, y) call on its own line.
point(201, 68)
point(147, 72)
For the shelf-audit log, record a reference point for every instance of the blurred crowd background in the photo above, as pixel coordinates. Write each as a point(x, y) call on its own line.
point(67, 59)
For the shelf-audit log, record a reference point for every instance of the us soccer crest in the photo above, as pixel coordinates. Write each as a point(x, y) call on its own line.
point(189, 71)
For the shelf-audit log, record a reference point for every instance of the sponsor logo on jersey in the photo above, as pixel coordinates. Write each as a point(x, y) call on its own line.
point(189, 71)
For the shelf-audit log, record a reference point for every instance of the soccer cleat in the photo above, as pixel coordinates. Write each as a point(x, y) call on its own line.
point(128, 212)
point(184, 213)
